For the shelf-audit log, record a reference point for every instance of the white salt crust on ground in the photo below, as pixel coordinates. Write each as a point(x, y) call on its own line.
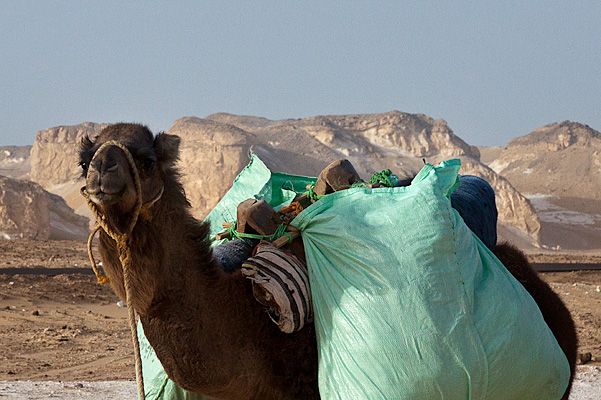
point(587, 386)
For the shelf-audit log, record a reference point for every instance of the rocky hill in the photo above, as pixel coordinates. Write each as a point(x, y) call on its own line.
point(27, 210)
point(216, 148)
point(558, 167)
point(54, 153)
point(560, 159)
point(54, 162)
point(489, 154)
point(14, 161)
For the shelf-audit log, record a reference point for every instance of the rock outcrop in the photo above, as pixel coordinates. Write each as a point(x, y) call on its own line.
point(28, 211)
point(65, 224)
point(23, 210)
point(54, 153)
point(372, 142)
point(558, 167)
point(515, 210)
point(560, 159)
point(54, 162)
point(216, 148)
point(211, 155)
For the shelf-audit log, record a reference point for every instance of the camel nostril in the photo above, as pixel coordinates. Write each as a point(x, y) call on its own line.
point(111, 167)
point(92, 189)
point(95, 165)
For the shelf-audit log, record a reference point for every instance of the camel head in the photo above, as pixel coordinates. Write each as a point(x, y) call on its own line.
point(110, 182)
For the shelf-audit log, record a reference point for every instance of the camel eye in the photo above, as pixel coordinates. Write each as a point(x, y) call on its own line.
point(149, 164)
point(84, 168)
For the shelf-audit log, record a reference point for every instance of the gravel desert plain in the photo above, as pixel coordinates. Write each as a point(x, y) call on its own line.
point(62, 335)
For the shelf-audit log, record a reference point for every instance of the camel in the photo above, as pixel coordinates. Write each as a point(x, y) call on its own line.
point(207, 330)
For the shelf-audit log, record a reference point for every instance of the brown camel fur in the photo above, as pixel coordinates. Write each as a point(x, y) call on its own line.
point(554, 311)
point(209, 333)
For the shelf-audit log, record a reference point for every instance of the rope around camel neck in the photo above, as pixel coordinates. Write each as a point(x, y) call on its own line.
point(122, 241)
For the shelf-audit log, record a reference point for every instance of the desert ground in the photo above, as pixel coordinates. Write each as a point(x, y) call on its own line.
point(62, 335)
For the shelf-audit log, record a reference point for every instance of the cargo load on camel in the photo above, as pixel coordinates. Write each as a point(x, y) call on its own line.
point(408, 300)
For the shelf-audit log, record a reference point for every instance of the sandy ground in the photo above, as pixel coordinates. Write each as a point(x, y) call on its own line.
point(65, 337)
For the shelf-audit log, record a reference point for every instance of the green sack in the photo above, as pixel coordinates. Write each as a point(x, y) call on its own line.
point(255, 181)
point(409, 304)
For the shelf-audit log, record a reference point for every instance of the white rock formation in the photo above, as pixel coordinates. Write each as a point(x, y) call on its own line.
point(28, 211)
point(215, 149)
point(372, 142)
point(54, 162)
point(560, 159)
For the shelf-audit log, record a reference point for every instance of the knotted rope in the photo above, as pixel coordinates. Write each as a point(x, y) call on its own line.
point(279, 232)
point(311, 193)
point(385, 179)
point(123, 246)
point(294, 208)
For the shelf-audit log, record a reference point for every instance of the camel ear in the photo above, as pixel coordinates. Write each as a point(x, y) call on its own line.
point(86, 143)
point(167, 148)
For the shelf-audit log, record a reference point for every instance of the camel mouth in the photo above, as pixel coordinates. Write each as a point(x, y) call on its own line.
point(105, 199)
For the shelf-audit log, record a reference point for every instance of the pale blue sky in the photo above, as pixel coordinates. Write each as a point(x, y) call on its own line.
point(492, 70)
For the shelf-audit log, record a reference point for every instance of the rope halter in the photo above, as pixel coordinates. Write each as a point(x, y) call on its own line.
point(123, 246)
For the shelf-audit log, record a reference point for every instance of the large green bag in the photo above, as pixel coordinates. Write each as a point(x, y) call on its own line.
point(408, 303)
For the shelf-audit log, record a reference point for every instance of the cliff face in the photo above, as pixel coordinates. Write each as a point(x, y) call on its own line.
point(211, 155)
point(54, 162)
point(27, 210)
point(54, 153)
point(372, 142)
point(216, 148)
point(560, 159)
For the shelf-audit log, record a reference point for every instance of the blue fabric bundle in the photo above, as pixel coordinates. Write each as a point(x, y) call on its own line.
point(474, 199)
point(233, 253)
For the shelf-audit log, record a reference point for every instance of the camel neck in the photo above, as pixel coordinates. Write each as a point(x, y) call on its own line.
point(171, 256)
point(185, 301)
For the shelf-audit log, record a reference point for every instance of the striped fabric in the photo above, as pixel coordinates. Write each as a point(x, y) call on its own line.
point(280, 282)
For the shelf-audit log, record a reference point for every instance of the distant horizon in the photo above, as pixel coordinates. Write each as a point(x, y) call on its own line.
point(494, 72)
point(155, 131)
